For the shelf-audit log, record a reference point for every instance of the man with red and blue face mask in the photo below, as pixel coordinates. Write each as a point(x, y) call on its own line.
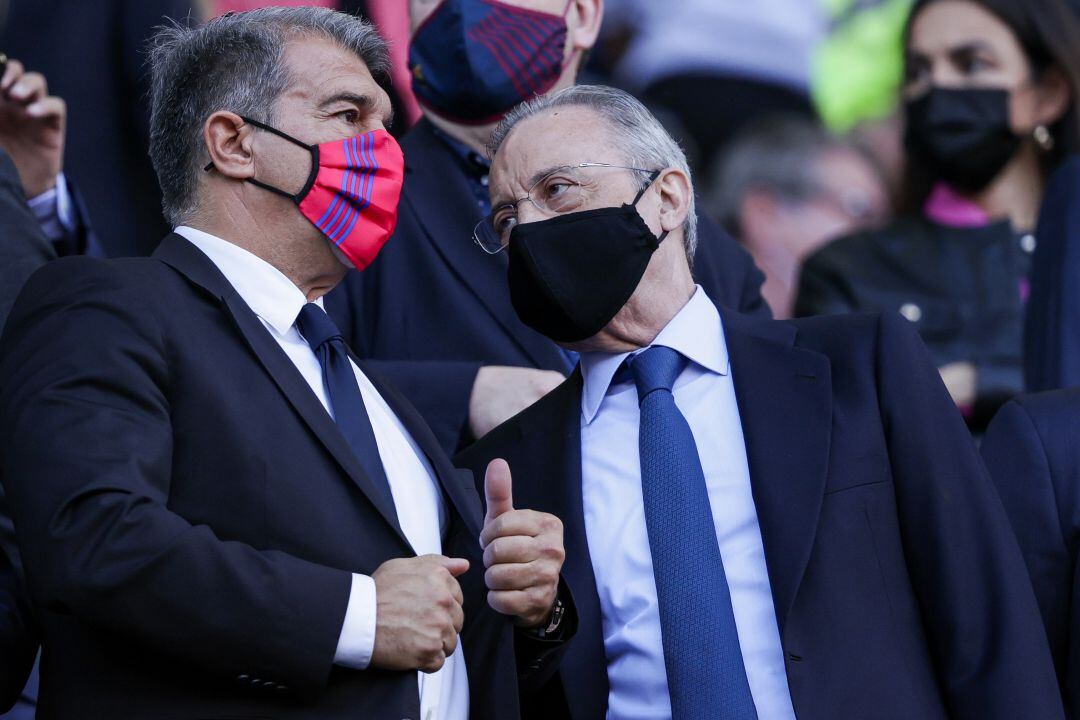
point(221, 512)
point(431, 299)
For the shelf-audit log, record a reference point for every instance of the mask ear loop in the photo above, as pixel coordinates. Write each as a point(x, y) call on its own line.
point(312, 174)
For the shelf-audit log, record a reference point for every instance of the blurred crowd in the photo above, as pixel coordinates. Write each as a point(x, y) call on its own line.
point(910, 157)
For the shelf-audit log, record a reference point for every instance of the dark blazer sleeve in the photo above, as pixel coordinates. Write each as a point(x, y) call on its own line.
point(982, 622)
point(80, 240)
point(1031, 453)
point(18, 641)
point(1052, 323)
point(86, 450)
point(23, 248)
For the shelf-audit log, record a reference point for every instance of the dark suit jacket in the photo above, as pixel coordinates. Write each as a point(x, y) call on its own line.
point(18, 641)
point(1052, 323)
point(189, 514)
point(94, 56)
point(1032, 453)
point(433, 296)
point(899, 590)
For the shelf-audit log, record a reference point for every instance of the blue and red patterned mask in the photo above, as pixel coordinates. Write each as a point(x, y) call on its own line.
point(474, 60)
point(352, 191)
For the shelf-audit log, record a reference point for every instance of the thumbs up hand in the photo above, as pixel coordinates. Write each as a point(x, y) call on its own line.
point(523, 552)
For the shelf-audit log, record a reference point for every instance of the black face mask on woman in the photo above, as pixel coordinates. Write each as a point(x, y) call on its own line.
point(570, 275)
point(961, 135)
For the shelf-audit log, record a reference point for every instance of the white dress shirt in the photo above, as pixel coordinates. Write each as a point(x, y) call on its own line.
point(615, 520)
point(444, 695)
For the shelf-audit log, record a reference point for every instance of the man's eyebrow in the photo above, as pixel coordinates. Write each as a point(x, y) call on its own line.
point(360, 101)
point(364, 102)
point(539, 175)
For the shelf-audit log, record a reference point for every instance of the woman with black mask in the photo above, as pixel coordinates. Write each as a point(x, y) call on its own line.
point(989, 95)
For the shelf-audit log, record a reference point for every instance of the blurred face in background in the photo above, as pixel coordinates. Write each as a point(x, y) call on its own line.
point(780, 233)
point(958, 44)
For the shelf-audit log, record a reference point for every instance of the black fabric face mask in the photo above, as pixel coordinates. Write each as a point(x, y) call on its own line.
point(571, 274)
point(962, 136)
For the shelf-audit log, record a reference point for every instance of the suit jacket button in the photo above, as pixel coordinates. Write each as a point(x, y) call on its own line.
point(243, 677)
point(911, 312)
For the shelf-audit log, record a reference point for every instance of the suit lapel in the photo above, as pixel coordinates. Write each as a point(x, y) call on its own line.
point(188, 260)
point(554, 440)
point(784, 396)
point(461, 491)
point(437, 194)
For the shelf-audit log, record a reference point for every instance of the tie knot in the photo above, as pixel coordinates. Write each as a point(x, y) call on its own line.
point(316, 326)
point(656, 369)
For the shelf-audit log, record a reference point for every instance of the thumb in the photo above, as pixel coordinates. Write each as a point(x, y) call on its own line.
point(455, 566)
point(498, 489)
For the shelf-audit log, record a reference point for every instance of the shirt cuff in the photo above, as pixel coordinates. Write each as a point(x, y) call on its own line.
point(357, 640)
point(54, 210)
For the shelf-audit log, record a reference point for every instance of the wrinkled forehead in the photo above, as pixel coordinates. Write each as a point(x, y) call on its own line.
point(550, 139)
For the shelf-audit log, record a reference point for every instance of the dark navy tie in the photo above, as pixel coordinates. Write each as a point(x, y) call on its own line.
point(350, 414)
point(706, 675)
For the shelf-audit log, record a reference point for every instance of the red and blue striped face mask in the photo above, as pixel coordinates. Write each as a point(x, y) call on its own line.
point(352, 192)
point(474, 60)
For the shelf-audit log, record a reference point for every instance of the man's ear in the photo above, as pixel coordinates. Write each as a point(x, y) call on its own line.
point(583, 19)
point(1054, 96)
point(228, 141)
point(675, 192)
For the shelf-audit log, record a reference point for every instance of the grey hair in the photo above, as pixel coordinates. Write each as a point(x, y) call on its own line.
point(233, 62)
point(637, 133)
point(780, 155)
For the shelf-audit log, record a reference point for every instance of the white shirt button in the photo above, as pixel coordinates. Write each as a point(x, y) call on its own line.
point(1028, 243)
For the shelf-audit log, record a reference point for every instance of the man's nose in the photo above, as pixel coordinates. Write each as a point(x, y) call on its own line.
point(528, 212)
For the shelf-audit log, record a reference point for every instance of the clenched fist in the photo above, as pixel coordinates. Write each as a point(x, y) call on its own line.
point(418, 612)
point(523, 552)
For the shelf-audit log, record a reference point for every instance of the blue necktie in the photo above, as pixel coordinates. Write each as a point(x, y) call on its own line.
point(350, 413)
point(706, 675)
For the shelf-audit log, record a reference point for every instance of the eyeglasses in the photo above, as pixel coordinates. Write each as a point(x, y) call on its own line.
point(563, 190)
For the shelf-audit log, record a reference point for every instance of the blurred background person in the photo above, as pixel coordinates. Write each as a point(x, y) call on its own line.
point(433, 304)
point(784, 188)
point(1031, 452)
point(856, 76)
point(93, 54)
point(707, 68)
point(41, 218)
point(990, 105)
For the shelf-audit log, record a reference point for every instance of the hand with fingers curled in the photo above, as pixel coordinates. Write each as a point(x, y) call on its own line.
point(32, 126)
point(418, 612)
point(523, 553)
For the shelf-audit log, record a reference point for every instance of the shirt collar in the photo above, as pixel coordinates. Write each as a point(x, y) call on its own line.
point(270, 295)
point(689, 332)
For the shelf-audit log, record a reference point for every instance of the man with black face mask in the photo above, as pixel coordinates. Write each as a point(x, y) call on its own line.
point(765, 519)
point(430, 298)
